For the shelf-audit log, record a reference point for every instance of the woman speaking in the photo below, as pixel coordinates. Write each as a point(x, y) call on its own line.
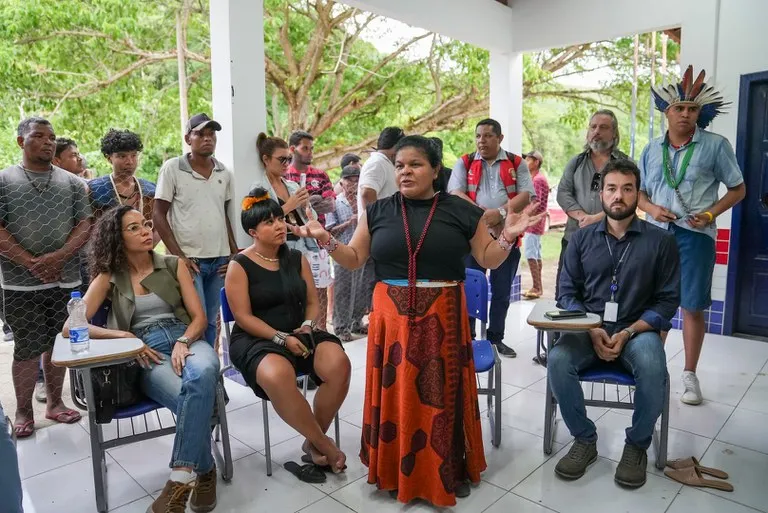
point(421, 430)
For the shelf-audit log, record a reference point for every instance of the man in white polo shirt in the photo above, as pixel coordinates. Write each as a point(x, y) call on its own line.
point(377, 177)
point(190, 214)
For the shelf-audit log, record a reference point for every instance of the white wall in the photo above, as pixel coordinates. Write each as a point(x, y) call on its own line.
point(239, 93)
point(484, 23)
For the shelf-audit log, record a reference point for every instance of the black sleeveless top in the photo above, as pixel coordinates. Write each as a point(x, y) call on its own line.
point(268, 298)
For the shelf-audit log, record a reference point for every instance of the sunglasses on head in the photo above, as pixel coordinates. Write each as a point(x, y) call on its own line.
point(595, 182)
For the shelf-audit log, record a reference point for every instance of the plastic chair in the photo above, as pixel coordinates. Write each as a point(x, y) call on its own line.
point(610, 375)
point(483, 352)
point(226, 319)
point(99, 446)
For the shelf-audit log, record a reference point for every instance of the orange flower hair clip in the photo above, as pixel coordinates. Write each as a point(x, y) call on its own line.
point(250, 201)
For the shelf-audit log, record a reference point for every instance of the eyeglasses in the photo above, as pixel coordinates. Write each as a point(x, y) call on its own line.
point(595, 182)
point(135, 228)
point(284, 161)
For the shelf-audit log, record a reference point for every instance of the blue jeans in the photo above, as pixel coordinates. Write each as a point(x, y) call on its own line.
point(501, 289)
point(190, 397)
point(10, 482)
point(643, 356)
point(208, 285)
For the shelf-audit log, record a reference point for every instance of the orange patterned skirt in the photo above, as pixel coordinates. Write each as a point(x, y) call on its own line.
point(421, 420)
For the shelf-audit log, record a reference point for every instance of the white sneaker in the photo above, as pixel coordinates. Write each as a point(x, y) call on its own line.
point(692, 394)
point(8, 337)
point(40, 392)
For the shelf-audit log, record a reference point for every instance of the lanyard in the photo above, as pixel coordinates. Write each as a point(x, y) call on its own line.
point(614, 281)
point(669, 174)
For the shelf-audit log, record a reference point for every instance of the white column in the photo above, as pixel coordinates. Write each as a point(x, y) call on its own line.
point(506, 85)
point(239, 93)
point(506, 70)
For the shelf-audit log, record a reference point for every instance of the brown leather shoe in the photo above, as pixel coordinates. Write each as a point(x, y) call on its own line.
point(173, 499)
point(204, 495)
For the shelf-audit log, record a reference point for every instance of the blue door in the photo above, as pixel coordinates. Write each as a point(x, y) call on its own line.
point(751, 294)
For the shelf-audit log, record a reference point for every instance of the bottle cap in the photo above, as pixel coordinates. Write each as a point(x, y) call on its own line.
point(75, 294)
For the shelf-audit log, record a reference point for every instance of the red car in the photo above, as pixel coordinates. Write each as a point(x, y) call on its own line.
point(555, 215)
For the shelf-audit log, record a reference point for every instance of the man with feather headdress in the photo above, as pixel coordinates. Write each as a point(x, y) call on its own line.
point(681, 173)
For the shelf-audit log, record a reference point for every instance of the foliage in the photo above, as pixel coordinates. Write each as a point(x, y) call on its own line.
point(112, 63)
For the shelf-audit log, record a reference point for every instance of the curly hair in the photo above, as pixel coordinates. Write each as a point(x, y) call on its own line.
point(107, 254)
point(120, 140)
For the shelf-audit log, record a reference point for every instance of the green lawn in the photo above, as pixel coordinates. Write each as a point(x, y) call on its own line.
point(550, 245)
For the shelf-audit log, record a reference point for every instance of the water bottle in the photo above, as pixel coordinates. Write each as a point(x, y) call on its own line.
point(79, 340)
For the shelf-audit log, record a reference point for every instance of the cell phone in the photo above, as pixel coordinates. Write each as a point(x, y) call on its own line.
point(559, 315)
point(303, 180)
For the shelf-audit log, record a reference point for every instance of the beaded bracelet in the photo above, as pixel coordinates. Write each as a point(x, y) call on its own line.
point(504, 243)
point(330, 246)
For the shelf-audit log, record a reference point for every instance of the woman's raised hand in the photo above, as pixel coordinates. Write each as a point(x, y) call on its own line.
point(516, 224)
point(312, 230)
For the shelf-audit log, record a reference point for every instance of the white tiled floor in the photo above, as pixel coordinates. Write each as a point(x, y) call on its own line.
point(728, 431)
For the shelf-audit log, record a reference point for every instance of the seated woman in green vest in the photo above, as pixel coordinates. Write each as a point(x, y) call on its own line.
point(154, 299)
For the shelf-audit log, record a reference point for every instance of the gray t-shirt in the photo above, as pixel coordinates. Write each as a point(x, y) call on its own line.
point(575, 190)
point(40, 222)
point(491, 192)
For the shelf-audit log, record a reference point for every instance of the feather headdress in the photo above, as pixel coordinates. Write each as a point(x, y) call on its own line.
point(709, 100)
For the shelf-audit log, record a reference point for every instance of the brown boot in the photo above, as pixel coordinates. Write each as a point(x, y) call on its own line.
point(537, 283)
point(173, 499)
point(204, 494)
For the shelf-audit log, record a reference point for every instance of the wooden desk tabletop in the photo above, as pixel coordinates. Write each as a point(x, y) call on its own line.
point(539, 321)
point(102, 352)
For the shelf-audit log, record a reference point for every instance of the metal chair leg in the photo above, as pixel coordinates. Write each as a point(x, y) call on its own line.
point(497, 408)
point(267, 447)
point(224, 460)
point(489, 396)
point(661, 447)
point(98, 460)
point(550, 408)
point(337, 429)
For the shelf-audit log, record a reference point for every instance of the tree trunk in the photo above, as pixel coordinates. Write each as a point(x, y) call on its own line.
point(182, 17)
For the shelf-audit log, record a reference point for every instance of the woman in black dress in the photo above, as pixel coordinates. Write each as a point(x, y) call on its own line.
point(272, 296)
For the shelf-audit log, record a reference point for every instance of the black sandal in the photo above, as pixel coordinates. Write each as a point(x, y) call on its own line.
point(306, 458)
point(308, 473)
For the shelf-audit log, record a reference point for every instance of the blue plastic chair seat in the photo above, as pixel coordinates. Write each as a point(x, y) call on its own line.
point(482, 352)
point(608, 373)
point(140, 408)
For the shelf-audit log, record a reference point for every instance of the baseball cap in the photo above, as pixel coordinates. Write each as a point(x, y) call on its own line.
point(349, 171)
point(349, 158)
point(534, 154)
point(200, 121)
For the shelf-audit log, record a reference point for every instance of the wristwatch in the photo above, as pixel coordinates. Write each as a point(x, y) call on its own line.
point(310, 323)
point(503, 212)
point(630, 332)
point(184, 340)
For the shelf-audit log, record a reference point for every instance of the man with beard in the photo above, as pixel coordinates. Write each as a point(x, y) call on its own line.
point(195, 190)
point(628, 272)
point(681, 175)
point(44, 221)
point(578, 192)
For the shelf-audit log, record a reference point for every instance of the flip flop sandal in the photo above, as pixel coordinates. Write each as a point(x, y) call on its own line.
point(64, 417)
point(691, 476)
point(307, 473)
point(693, 462)
point(306, 458)
point(25, 429)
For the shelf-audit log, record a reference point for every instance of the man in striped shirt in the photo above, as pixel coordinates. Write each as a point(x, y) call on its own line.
point(319, 186)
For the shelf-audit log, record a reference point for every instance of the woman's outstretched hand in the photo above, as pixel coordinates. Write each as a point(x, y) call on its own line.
point(516, 224)
point(312, 230)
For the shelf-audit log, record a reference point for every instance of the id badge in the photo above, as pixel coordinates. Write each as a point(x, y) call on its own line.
point(611, 312)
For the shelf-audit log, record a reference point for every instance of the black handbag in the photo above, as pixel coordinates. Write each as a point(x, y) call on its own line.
point(114, 387)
